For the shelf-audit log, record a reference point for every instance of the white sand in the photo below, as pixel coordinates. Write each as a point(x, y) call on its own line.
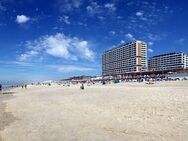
point(118, 112)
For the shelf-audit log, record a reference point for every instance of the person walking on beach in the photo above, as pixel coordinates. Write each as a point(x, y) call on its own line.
point(82, 87)
point(0, 87)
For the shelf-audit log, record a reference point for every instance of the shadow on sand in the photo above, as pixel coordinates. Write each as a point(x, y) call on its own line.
point(6, 118)
point(7, 92)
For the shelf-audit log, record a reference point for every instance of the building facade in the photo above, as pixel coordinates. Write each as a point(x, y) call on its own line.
point(187, 62)
point(130, 57)
point(170, 61)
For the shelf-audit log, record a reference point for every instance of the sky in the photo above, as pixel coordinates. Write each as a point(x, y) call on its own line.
point(55, 39)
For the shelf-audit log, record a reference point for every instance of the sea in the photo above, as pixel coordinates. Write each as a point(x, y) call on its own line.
point(8, 86)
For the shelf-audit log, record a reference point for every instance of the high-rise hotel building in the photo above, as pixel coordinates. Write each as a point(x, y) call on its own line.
point(129, 57)
point(170, 61)
point(187, 62)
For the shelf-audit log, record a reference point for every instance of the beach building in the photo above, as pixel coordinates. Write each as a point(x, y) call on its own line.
point(77, 79)
point(187, 62)
point(129, 57)
point(170, 61)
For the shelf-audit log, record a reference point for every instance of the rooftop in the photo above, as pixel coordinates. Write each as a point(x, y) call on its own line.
point(119, 46)
point(172, 53)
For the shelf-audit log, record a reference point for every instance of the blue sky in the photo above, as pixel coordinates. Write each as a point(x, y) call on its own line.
point(55, 39)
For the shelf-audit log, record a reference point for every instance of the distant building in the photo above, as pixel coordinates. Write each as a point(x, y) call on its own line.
point(170, 61)
point(96, 78)
point(82, 78)
point(129, 57)
point(187, 62)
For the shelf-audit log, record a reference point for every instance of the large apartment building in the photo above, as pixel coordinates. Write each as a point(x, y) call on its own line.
point(170, 61)
point(129, 57)
point(187, 62)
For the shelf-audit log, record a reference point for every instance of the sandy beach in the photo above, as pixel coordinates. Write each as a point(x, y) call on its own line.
point(113, 112)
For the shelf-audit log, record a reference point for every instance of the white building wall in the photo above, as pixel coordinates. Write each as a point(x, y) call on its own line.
point(122, 59)
point(186, 61)
point(168, 61)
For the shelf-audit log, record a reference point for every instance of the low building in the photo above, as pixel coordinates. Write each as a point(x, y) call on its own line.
point(96, 78)
point(77, 79)
point(170, 61)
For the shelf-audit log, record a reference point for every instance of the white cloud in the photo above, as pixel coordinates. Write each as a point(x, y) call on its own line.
point(76, 3)
point(20, 19)
point(56, 46)
point(153, 37)
point(130, 3)
point(26, 56)
point(119, 17)
point(71, 68)
point(3, 24)
point(17, 63)
point(82, 24)
point(59, 46)
point(130, 36)
point(150, 50)
point(150, 43)
point(65, 19)
point(122, 41)
point(94, 8)
point(180, 41)
point(139, 13)
point(2, 8)
point(110, 6)
point(143, 19)
point(148, 15)
point(102, 18)
point(69, 5)
point(112, 32)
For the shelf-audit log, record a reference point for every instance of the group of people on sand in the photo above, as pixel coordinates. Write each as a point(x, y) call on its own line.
point(24, 86)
